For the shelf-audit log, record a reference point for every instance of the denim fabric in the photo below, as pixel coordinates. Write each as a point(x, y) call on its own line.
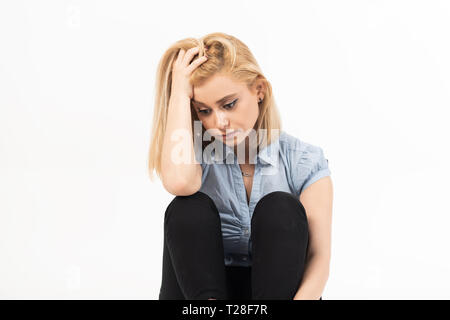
point(287, 164)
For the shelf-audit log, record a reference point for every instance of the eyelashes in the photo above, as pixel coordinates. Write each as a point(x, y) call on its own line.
point(228, 106)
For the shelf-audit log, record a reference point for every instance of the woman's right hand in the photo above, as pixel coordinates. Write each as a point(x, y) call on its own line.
point(182, 69)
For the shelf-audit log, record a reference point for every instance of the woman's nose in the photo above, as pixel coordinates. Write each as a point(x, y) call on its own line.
point(222, 120)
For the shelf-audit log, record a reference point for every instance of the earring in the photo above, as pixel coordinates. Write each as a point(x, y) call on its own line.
point(260, 100)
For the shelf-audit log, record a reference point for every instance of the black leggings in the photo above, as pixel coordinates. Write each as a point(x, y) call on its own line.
point(193, 255)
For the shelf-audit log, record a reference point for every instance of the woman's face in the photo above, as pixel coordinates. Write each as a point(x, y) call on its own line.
point(224, 106)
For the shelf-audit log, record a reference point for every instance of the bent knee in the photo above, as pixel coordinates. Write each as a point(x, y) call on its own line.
point(279, 209)
point(192, 210)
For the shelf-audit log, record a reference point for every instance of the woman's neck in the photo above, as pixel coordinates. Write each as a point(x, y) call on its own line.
point(247, 151)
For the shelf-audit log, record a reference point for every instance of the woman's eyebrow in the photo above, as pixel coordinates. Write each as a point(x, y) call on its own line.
point(228, 96)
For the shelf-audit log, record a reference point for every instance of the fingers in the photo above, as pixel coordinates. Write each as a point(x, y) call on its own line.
point(196, 63)
point(189, 54)
point(184, 59)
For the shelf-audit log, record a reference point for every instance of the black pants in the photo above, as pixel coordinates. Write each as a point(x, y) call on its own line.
point(193, 254)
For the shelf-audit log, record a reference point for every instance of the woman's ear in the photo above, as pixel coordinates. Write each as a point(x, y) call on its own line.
point(260, 88)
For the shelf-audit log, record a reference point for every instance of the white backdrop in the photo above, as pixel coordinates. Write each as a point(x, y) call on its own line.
point(368, 81)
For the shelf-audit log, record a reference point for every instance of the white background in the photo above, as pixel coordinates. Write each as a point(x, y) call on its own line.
point(368, 81)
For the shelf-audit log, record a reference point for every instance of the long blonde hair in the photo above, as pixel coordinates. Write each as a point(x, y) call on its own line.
point(227, 55)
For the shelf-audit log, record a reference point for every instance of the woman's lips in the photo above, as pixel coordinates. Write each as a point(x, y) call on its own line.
point(230, 135)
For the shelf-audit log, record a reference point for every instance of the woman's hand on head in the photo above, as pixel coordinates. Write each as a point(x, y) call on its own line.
point(182, 69)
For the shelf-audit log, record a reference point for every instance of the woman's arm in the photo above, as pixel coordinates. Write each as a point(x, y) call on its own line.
point(318, 202)
point(181, 174)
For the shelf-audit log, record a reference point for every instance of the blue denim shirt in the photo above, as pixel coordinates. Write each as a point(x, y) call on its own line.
point(287, 164)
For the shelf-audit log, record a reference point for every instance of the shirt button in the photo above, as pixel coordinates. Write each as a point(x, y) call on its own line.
point(246, 231)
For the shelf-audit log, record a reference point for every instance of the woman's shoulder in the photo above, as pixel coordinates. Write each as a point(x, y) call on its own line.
point(307, 161)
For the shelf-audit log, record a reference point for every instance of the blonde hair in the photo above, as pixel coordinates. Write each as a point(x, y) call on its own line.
point(227, 55)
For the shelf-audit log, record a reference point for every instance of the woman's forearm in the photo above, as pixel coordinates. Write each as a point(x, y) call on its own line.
point(179, 167)
point(314, 278)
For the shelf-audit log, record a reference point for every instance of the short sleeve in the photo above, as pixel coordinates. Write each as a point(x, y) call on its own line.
point(309, 165)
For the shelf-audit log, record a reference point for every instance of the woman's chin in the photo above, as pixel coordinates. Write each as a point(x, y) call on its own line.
point(232, 140)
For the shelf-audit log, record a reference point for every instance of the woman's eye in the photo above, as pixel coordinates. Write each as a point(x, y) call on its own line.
point(227, 106)
point(231, 105)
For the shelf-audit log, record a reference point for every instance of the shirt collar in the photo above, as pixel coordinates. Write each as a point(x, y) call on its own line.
point(269, 154)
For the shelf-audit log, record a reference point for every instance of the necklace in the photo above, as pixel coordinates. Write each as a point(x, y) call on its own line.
point(246, 174)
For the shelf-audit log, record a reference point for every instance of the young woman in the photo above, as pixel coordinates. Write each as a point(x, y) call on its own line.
point(251, 217)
